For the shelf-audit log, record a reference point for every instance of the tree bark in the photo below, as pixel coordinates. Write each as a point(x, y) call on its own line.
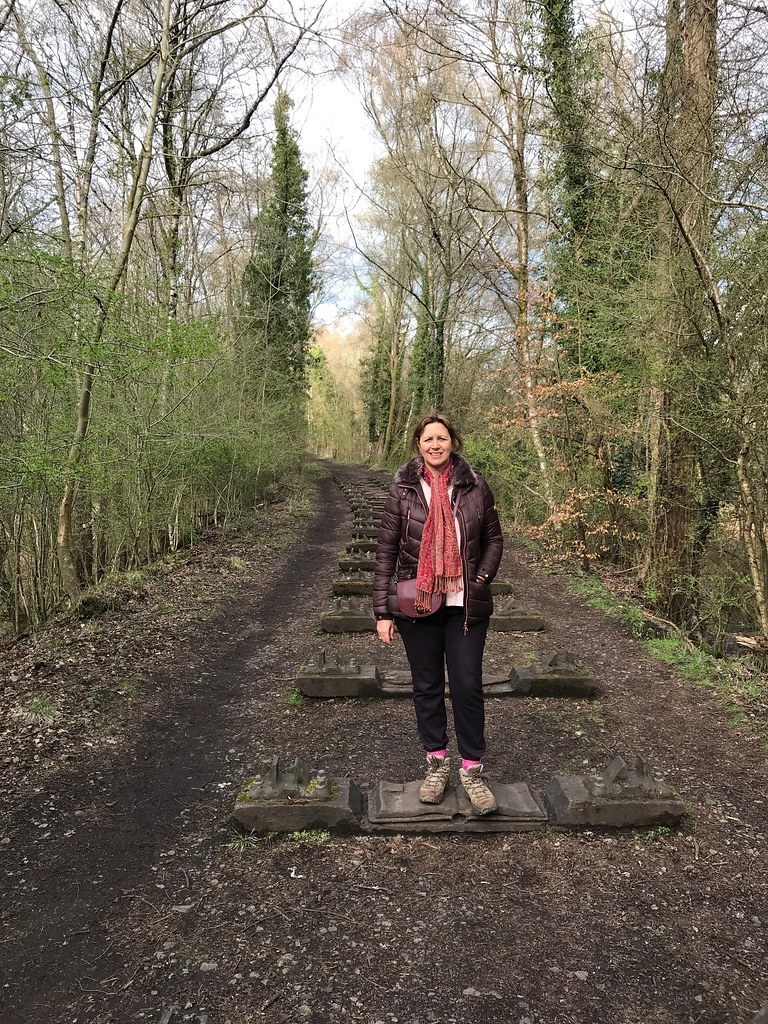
point(755, 539)
point(687, 148)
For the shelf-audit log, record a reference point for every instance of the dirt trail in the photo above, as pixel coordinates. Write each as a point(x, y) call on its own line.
point(123, 893)
point(70, 888)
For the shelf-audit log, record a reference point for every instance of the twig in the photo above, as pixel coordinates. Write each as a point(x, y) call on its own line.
point(97, 991)
point(658, 620)
point(92, 962)
point(130, 980)
point(136, 896)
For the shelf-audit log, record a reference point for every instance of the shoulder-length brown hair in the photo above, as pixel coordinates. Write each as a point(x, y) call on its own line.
point(435, 417)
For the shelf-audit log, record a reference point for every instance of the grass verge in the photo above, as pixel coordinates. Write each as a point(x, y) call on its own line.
point(741, 688)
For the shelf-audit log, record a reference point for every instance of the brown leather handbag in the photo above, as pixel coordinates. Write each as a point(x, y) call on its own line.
point(406, 600)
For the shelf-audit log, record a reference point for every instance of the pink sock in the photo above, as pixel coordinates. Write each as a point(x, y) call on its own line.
point(466, 765)
point(437, 753)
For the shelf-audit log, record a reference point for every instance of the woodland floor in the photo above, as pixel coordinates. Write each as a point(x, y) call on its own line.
point(124, 890)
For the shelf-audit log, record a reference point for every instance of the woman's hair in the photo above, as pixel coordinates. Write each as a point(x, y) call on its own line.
point(435, 417)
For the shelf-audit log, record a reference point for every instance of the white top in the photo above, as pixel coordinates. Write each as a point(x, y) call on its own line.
point(451, 600)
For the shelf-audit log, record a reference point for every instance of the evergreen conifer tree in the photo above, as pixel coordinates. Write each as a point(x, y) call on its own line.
point(279, 279)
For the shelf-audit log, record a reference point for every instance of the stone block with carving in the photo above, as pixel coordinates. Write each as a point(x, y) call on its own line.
point(337, 676)
point(353, 583)
point(355, 548)
point(621, 797)
point(501, 588)
point(349, 615)
point(396, 805)
point(290, 799)
point(397, 683)
point(363, 562)
point(369, 525)
point(556, 675)
point(510, 617)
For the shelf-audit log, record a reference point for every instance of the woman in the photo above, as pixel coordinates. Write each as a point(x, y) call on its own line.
point(440, 527)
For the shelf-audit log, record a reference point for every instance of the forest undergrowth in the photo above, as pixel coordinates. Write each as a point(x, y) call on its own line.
point(739, 677)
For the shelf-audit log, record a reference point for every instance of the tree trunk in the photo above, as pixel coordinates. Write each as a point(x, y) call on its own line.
point(755, 539)
point(517, 110)
point(65, 540)
point(687, 148)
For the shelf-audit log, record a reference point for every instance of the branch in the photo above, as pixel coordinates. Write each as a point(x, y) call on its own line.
point(245, 124)
point(702, 266)
point(6, 14)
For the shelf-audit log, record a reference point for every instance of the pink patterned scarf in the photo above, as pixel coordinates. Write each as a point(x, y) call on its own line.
point(440, 569)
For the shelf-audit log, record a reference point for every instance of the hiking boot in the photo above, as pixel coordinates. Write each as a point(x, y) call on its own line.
point(433, 787)
point(482, 799)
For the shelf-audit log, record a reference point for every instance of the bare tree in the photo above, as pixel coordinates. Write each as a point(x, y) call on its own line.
point(184, 81)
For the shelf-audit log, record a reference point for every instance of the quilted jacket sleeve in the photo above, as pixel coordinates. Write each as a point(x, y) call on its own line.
point(491, 542)
point(387, 549)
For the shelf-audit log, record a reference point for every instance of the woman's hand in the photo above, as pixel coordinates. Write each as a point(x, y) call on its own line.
point(386, 630)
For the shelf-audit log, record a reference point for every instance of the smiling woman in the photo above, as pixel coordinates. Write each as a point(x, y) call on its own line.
point(438, 550)
point(435, 446)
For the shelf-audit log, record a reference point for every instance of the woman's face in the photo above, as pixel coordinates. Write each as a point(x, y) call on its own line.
point(435, 447)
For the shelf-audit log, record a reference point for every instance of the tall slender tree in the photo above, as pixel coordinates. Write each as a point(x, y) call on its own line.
point(279, 279)
point(683, 492)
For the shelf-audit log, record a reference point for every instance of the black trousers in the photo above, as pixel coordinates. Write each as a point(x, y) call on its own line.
point(429, 644)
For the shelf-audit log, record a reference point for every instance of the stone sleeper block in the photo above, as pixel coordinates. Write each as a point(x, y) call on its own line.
point(569, 802)
point(294, 813)
point(348, 622)
point(352, 564)
point(501, 588)
point(398, 684)
point(352, 587)
point(534, 683)
point(366, 683)
point(359, 547)
point(393, 805)
point(517, 622)
point(289, 800)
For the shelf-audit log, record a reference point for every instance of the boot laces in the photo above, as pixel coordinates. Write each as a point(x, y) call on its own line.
point(476, 783)
point(436, 771)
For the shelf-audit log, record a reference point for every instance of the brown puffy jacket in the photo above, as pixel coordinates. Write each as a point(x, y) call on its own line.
point(402, 524)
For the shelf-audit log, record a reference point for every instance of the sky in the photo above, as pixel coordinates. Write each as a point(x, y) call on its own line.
point(339, 149)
